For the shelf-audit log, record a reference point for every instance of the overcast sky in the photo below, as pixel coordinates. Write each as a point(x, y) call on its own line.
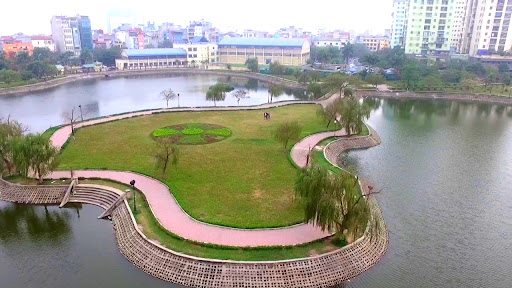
point(33, 16)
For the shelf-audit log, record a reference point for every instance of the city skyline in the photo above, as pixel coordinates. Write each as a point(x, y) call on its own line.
point(359, 19)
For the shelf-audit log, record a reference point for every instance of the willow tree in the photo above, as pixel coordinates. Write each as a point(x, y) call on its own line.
point(9, 131)
point(35, 153)
point(332, 201)
point(218, 92)
point(274, 90)
point(240, 94)
point(352, 115)
point(338, 82)
point(330, 112)
point(286, 132)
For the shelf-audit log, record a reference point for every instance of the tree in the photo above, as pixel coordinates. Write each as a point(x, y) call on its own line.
point(330, 112)
point(166, 154)
point(275, 90)
point(9, 131)
point(375, 80)
point(503, 68)
point(9, 76)
point(286, 132)
point(44, 55)
point(315, 90)
point(228, 66)
point(476, 68)
point(411, 74)
point(452, 75)
point(240, 94)
point(338, 82)
point(276, 68)
point(3, 61)
point(252, 64)
point(169, 95)
point(38, 69)
point(217, 92)
point(86, 56)
point(371, 59)
point(348, 52)
point(65, 58)
point(22, 59)
point(331, 201)
point(353, 114)
point(36, 153)
point(348, 92)
point(431, 81)
point(71, 118)
point(107, 56)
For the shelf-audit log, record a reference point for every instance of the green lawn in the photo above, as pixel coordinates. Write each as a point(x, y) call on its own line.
point(244, 181)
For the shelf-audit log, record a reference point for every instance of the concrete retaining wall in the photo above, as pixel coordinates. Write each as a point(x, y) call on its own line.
point(466, 97)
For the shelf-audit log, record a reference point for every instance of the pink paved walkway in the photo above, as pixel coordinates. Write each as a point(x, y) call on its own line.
point(173, 218)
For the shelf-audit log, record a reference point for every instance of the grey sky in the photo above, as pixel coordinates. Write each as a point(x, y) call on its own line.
point(267, 15)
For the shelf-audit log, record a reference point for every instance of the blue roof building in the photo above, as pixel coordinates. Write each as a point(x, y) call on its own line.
point(152, 58)
point(263, 42)
point(287, 51)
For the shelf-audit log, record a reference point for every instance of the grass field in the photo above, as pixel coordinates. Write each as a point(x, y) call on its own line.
point(244, 181)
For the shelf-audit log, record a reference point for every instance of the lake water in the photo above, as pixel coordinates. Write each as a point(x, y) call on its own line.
point(101, 97)
point(446, 173)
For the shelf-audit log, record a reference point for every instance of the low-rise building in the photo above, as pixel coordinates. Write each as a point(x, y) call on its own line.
point(6, 40)
point(326, 42)
point(43, 42)
point(375, 43)
point(287, 51)
point(12, 49)
point(200, 53)
point(152, 58)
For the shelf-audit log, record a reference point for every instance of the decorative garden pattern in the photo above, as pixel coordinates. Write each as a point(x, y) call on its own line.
point(192, 133)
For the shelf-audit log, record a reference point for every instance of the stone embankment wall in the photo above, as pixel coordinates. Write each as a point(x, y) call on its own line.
point(334, 149)
point(325, 270)
point(102, 75)
point(31, 194)
point(467, 97)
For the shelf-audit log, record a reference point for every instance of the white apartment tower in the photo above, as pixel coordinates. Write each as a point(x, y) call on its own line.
point(399, 23)
point(487, 27)
point(459, 20)
point(66, 34)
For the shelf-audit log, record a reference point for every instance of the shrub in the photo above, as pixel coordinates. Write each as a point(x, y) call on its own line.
point(165, 132)
point(192, 131)
point(219, 132)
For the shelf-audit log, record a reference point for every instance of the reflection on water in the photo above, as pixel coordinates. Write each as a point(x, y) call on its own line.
point(49, 247)
point(446, 171)
point(101, 97)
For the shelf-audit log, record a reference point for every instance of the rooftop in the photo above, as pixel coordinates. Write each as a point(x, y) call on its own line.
point(41, 37)
point(155, 52)
point(274, 42)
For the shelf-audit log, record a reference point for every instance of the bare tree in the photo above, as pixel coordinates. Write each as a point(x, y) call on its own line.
point(169, 95)
point(240, 94)
point(71, 118)
point(166, 154)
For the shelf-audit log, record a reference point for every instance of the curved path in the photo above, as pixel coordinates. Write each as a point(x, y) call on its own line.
point(170, 214)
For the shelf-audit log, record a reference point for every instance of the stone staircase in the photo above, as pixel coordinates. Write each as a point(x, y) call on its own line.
point(95, 195)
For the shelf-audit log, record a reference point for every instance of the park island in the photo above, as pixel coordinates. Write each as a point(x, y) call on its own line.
point(216, 196)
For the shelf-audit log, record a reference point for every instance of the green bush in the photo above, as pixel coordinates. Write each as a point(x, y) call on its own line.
point(165, 132)
point(219, 132)
point(192, 131)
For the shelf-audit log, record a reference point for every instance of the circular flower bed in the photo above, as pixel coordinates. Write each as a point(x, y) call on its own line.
point(192, 133)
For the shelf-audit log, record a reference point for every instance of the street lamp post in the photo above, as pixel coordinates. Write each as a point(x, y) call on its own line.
point(132, 183)
point(81, 114)
point(178, 100)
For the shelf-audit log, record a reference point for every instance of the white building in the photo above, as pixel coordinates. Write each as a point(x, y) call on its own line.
point(198, 28)
point(200, 53)
point(399, 23)
point(65, 34)
point(43, 42)
point(487, 27)
point(326, 42)
point(458, 25)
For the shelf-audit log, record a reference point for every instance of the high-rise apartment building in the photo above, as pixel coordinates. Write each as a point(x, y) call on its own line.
point(66, 34)
point(399, 24)
point(459, 20)
point(487, 27)
point(84, 25)
point(430, 27)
